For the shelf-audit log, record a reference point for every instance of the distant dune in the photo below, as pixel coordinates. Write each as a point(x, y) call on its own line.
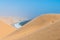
point(45, 27)
point(11, 20)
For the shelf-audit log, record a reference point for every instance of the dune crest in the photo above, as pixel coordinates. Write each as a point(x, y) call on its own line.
point(41, 28)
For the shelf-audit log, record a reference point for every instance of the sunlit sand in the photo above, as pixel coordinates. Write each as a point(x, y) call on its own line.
point(45, 27)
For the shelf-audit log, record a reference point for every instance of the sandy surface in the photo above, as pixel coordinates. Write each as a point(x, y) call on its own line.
point(51, 32)
point(45, 27)
point(6, 26)
point(5, 29)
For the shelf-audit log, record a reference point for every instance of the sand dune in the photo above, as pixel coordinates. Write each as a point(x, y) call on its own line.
point(51, 32)
point(45, 27)
point(5, 29)
point(10, 20)
point(6, 26)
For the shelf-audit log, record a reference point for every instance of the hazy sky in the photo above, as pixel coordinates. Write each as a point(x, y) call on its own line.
point(28, 8)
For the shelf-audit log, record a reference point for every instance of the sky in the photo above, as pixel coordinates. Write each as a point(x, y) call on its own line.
point(28, 8)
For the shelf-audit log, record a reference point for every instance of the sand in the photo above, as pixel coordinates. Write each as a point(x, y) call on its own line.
point(5, 29)
point(51, 32)
point(45, 27)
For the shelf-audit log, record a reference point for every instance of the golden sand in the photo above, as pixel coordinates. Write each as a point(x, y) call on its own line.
point(45, 27)
point(5, 29)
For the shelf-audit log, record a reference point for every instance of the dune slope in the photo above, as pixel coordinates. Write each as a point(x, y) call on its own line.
point(51, 32)
point(5, 29)
point(33, 29)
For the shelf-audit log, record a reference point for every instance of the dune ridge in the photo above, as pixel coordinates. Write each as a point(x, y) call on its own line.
point(51, 32)
point(35, 25)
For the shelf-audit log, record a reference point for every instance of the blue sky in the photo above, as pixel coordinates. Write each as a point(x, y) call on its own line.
point(28, 8)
